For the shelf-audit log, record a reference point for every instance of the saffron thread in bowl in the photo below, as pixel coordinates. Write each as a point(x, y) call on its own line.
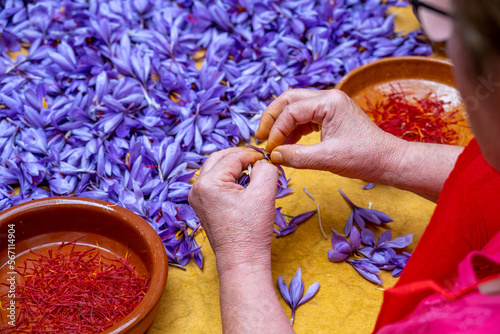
point(74, 291)
point(417, 119)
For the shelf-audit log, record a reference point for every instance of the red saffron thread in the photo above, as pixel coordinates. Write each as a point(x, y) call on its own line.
point(70, 291)
point(418, 119)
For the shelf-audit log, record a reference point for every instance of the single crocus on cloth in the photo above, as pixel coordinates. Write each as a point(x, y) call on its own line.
point(285, 228)
point(361, 216)
point(293, 294)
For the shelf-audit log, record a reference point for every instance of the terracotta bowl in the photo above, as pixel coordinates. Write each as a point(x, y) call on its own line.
point(45, 223)
point(416, 75)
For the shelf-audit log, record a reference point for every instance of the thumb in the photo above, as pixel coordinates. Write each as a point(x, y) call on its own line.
point(302, 156)
point(264, 179)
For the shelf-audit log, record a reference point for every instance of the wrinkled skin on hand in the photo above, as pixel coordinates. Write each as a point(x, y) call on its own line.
point(238, 221)
point(351, 144)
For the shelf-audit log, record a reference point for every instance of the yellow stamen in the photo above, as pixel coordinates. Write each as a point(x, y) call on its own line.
point(155, 78)
point(175, 97)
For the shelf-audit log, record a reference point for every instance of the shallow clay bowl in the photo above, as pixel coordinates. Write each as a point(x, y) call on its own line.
point(417, 76)
point(43, 224)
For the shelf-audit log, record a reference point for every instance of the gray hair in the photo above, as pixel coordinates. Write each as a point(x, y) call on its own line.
point(478, 23)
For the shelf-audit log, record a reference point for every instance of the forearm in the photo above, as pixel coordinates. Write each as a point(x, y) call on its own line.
point(419, 167)
point(249, 303)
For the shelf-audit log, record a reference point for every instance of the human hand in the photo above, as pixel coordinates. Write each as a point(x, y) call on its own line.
point(238, 222)
point(351, 144)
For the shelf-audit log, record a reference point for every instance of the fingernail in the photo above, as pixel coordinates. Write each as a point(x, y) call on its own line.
point(276, 157)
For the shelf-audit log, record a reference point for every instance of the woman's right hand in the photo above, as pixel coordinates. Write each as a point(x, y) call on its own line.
point(351, 144)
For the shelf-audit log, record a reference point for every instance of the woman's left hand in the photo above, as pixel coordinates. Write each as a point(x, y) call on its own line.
point(239, 222)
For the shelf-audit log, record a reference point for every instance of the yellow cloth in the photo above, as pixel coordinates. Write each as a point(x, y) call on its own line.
point(346, 302)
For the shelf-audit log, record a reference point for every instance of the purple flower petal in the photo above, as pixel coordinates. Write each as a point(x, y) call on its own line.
point(368, 186)
point(296, 288)
point(300, 218)
point(366, 251)
point(283, 288)
point(336, 256)
point(341, 249)
point(349, 224)
point(384, 236)
point(279, 219)
point(101, 86)
point(382, 256)
point(308, 194)
point(311, 291)
point(355, 239)
point(368, 237)
point(399, 242)
point(366, 269)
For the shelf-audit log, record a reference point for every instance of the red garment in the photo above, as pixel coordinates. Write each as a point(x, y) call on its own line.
point(473, 306)
point(467, 216)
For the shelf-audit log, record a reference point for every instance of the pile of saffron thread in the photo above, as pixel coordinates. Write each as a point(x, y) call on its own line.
point(70, 291)
point(418, 119)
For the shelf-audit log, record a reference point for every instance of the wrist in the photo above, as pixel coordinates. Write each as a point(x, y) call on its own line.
point(388, 166)
point(246, 272)
point(241, 258)
point(249, 303)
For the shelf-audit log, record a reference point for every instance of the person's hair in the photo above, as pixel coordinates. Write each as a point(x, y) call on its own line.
point(478, 22)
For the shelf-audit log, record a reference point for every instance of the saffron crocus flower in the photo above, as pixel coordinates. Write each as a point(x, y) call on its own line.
point(384, 240)
point(342, 248)
point(361, 216)
point(285, 228)
point(382, 253)
point(293, 294)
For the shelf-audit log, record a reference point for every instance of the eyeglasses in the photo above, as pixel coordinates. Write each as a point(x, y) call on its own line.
point(437, 23)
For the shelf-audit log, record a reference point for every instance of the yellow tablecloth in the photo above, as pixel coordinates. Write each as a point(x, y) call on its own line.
point(346, 302)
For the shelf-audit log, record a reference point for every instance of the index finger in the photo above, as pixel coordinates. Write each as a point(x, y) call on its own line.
point(273, 111)
point(229, 168)
point(217, 156)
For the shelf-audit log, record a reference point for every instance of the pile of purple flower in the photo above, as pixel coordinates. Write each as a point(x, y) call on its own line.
point(378, 255)
point(109, 102)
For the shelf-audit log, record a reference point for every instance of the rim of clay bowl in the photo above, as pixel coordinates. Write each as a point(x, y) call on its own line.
point(351, 76)
point(159, 268)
